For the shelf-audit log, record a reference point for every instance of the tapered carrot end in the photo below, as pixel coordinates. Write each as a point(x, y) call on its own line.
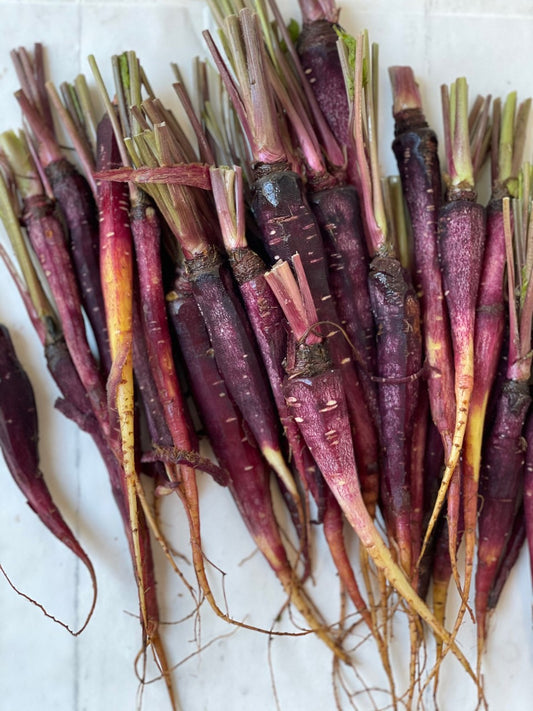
point(158, 649)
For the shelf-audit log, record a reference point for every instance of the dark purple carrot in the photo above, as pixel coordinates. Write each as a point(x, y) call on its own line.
point(315, 394)
point(19, 439)
point(338, 214)
point(76, 196)
point(236, 450)
point(490, 318)
point(515, 543)
point(46, 233)
point(285, 219)
point(528, 487)
point(416, 150)
point(396, 317)
point(461, 234)
point(317, 49)
point(270, 327)
point(503, 455)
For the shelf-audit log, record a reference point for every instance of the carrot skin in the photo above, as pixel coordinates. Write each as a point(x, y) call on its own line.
point(500, 483)
point(81, 213)
point(461, 243)
point(509, 557)
point(416, 150)
point(288, 226)
point(146, 232)
point(396, 315)
point(19, 444)
point(433, 464)
point(338, 214)
point(528, 487)
point(234, 447)
point(235, 350)
point(488, 341)
point(317, 49)
point(48, 240)
point(461, 234)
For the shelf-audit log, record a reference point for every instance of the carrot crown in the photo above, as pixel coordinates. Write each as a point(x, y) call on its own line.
point(456, 136)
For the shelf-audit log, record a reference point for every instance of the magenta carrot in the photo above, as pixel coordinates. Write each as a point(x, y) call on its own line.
point(461, 234)
point(528, 489)
point(76, 197)
point(490, 317)
point(315, 395)
point(46, 232)
point(19, 437)
point(514, 546)
point(236, 451)
point(503, 454)
point(317, 48)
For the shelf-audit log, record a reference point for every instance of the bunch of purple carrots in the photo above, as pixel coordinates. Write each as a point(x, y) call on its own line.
point(356, 348)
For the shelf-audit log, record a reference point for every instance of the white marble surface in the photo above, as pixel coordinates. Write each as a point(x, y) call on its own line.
point(41, 666)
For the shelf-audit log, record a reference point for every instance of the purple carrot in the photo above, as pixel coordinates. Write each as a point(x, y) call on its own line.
point(490, 316)
point(235, 449)
point(415, 147)
point(528, 488)
point(397, 322)
point(503, 456)
point(461, 234)
point(77, 201)
point(338, 214)
point(270, 327)
point(315, 393)
point(46, 232)
point(513, 549)
point(19, 439)
point(317, 49)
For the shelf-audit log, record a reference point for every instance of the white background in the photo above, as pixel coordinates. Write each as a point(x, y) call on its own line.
point(41, 666)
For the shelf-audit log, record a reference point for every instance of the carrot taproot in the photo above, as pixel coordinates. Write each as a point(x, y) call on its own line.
point(461, 231)
point(236, 450)
point(316, 398)
point(19, 441)
point(503, 455)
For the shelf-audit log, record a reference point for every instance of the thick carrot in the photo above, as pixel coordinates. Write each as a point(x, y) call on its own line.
point(461, 234)
point(317, 49)
point(19, 439)
point(490, 317)
point(315, 395)
point(236, 450)
point(396, 315)
point(503, 455)
point(528, 488)
point(338, 214)
point(416, 150)
point(77, 202)
point(47, 235)
point(515, 542)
